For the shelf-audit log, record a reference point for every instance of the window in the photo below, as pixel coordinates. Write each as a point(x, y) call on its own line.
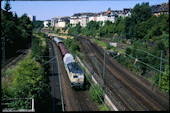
point(75, 76)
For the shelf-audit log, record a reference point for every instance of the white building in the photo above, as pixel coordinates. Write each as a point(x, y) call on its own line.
point(75, 20)
point(84, 20)
point(110, 15)
point(32, 18)
point(46, 22)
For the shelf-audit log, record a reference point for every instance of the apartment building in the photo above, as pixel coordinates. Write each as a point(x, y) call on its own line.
point(46, 23)
point(32, 18)
point(110, 15)
point(61, 22)
point(160, 9)
point(82, 18)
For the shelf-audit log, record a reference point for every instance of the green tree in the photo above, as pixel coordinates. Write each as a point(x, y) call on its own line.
point(109, 9)
point(7, 6)
point(141, 13)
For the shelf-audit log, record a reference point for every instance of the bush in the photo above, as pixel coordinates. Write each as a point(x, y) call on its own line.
point(108, 46)
point(103, 107)
point(123, 41)
point(97, 93)
point(28, 79)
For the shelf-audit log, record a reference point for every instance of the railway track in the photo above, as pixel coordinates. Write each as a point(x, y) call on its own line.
point(75, 100)
point(82, 101)
point(14, 60)
point(111, 84)
point(56, 90)
point(147, 99)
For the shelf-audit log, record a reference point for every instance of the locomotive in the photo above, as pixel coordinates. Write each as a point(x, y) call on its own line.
point(74, 71)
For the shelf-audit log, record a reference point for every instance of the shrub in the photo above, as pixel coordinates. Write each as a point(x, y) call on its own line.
point(123, 41)
point(97, 93)
point(103, 107)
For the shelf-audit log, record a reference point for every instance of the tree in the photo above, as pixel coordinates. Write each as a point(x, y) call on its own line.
point(141, 12)
point(109, 9)
point(7, 6)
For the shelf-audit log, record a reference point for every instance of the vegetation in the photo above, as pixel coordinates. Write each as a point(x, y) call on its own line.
point(148, 34)
point(97, 93)
point(38, 24)
point(28, 78)
point(72, 45)
point(16, 30)
point(103, 107)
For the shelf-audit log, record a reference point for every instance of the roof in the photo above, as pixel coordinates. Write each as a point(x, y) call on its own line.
point(164, 7)
point(74, 68)
point(108, 12)
point(160, 8)
point(80, 14)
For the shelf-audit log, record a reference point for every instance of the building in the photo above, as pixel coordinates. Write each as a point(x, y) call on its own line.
point(53, 22)
point(61, 22)
point(110, 15)
point(47, 22)
point(32, 18)
point(82, 18)
point(160, 9)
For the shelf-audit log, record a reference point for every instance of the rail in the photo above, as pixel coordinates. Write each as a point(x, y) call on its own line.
point(101, 83)
point(58, 70)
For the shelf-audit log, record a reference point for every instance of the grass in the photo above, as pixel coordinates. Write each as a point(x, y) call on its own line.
point(103, 107)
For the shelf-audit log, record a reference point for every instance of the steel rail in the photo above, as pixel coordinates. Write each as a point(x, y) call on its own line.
point(113, 85)
point(140, 85)
point(123, 87)
point(56, 59)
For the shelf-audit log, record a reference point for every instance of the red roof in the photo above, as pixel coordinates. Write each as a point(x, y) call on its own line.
point(108, 12)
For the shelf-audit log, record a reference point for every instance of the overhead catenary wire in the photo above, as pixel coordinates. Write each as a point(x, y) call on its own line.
point(97, 92)
point(143, 62)
point(92, 85)
point(150, 54)
point(146, 64)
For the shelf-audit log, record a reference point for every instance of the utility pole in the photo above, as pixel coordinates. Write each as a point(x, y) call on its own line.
point(160, 68)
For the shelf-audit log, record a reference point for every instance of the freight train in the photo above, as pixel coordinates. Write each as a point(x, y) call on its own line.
point(74, 71)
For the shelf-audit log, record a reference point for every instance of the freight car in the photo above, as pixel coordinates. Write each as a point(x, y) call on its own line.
point(74, 71)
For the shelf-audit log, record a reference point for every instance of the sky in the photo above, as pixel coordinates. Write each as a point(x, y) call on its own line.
point(44, 10)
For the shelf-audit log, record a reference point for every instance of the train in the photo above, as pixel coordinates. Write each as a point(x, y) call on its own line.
point(74, 71)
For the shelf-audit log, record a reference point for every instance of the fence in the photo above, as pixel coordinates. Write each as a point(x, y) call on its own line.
point(9, 101)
